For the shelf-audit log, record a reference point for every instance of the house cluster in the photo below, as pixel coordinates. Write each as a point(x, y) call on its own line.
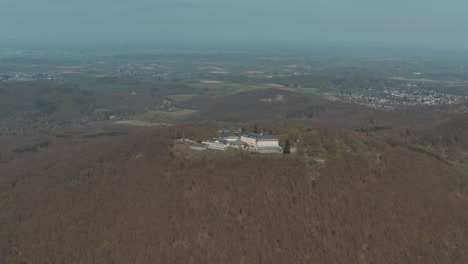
point(263, 143)
point(410, 95)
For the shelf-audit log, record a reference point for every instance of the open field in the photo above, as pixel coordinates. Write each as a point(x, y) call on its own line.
point(137, 123)
point(302, 90)
point(70, 67)
point(211, 68)
point(422, 80)
point(181, 97)
point(211, 82)
point(118, 88)
point(269, 85)
point(148, 68)
point(253, 72)
point(70, 72)
point(167, 117)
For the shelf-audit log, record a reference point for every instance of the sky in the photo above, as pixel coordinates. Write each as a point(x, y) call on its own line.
point(415, 23)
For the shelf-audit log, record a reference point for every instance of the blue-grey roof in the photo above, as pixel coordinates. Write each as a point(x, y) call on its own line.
point(237, 142)
point(259, 136)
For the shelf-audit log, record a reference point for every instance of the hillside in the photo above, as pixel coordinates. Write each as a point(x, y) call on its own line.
point(33, 104)
point(442, 133)
point(271, 103)
point(137, 198)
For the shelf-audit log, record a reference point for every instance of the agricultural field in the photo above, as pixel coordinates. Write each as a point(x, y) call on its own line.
point(168, 117)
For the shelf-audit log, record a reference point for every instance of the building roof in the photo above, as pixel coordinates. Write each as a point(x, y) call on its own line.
point(237, 142)
point(213, 140)
point(259, 136)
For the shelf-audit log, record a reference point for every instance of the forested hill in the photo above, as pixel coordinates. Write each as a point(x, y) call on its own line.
point(138, 198)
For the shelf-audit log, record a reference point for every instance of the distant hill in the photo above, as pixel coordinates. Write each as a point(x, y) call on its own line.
point(28, 104)
point(263, 104)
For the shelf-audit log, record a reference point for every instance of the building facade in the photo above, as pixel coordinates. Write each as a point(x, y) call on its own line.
point(252, 141)
point(261, 143)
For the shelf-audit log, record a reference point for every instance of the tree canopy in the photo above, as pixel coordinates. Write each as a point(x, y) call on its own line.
point(287, 147)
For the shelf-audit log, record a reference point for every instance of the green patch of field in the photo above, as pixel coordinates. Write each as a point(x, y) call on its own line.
point(28, 69)
point(211, 89)
point(216, 89)
point(181, 97)
point(224, 89)
point(171, 82)
point(196, 84)
point(116, 88)
point(312, 91)
point(6, 115)
point(162, 116)
point(465, 163)
point(5, 201)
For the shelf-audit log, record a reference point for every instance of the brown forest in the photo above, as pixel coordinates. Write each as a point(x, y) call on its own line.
point(140, 198)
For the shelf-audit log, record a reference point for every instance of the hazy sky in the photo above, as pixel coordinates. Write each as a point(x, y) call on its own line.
point(428, 23)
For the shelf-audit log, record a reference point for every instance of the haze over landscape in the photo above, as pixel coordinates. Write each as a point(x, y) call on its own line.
point(203, 131)
point(271, 23)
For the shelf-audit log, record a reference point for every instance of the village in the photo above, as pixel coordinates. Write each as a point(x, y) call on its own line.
point(407, 94)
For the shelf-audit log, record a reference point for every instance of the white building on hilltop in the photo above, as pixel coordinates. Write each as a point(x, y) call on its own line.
point(261, 143)
point(257, 142)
